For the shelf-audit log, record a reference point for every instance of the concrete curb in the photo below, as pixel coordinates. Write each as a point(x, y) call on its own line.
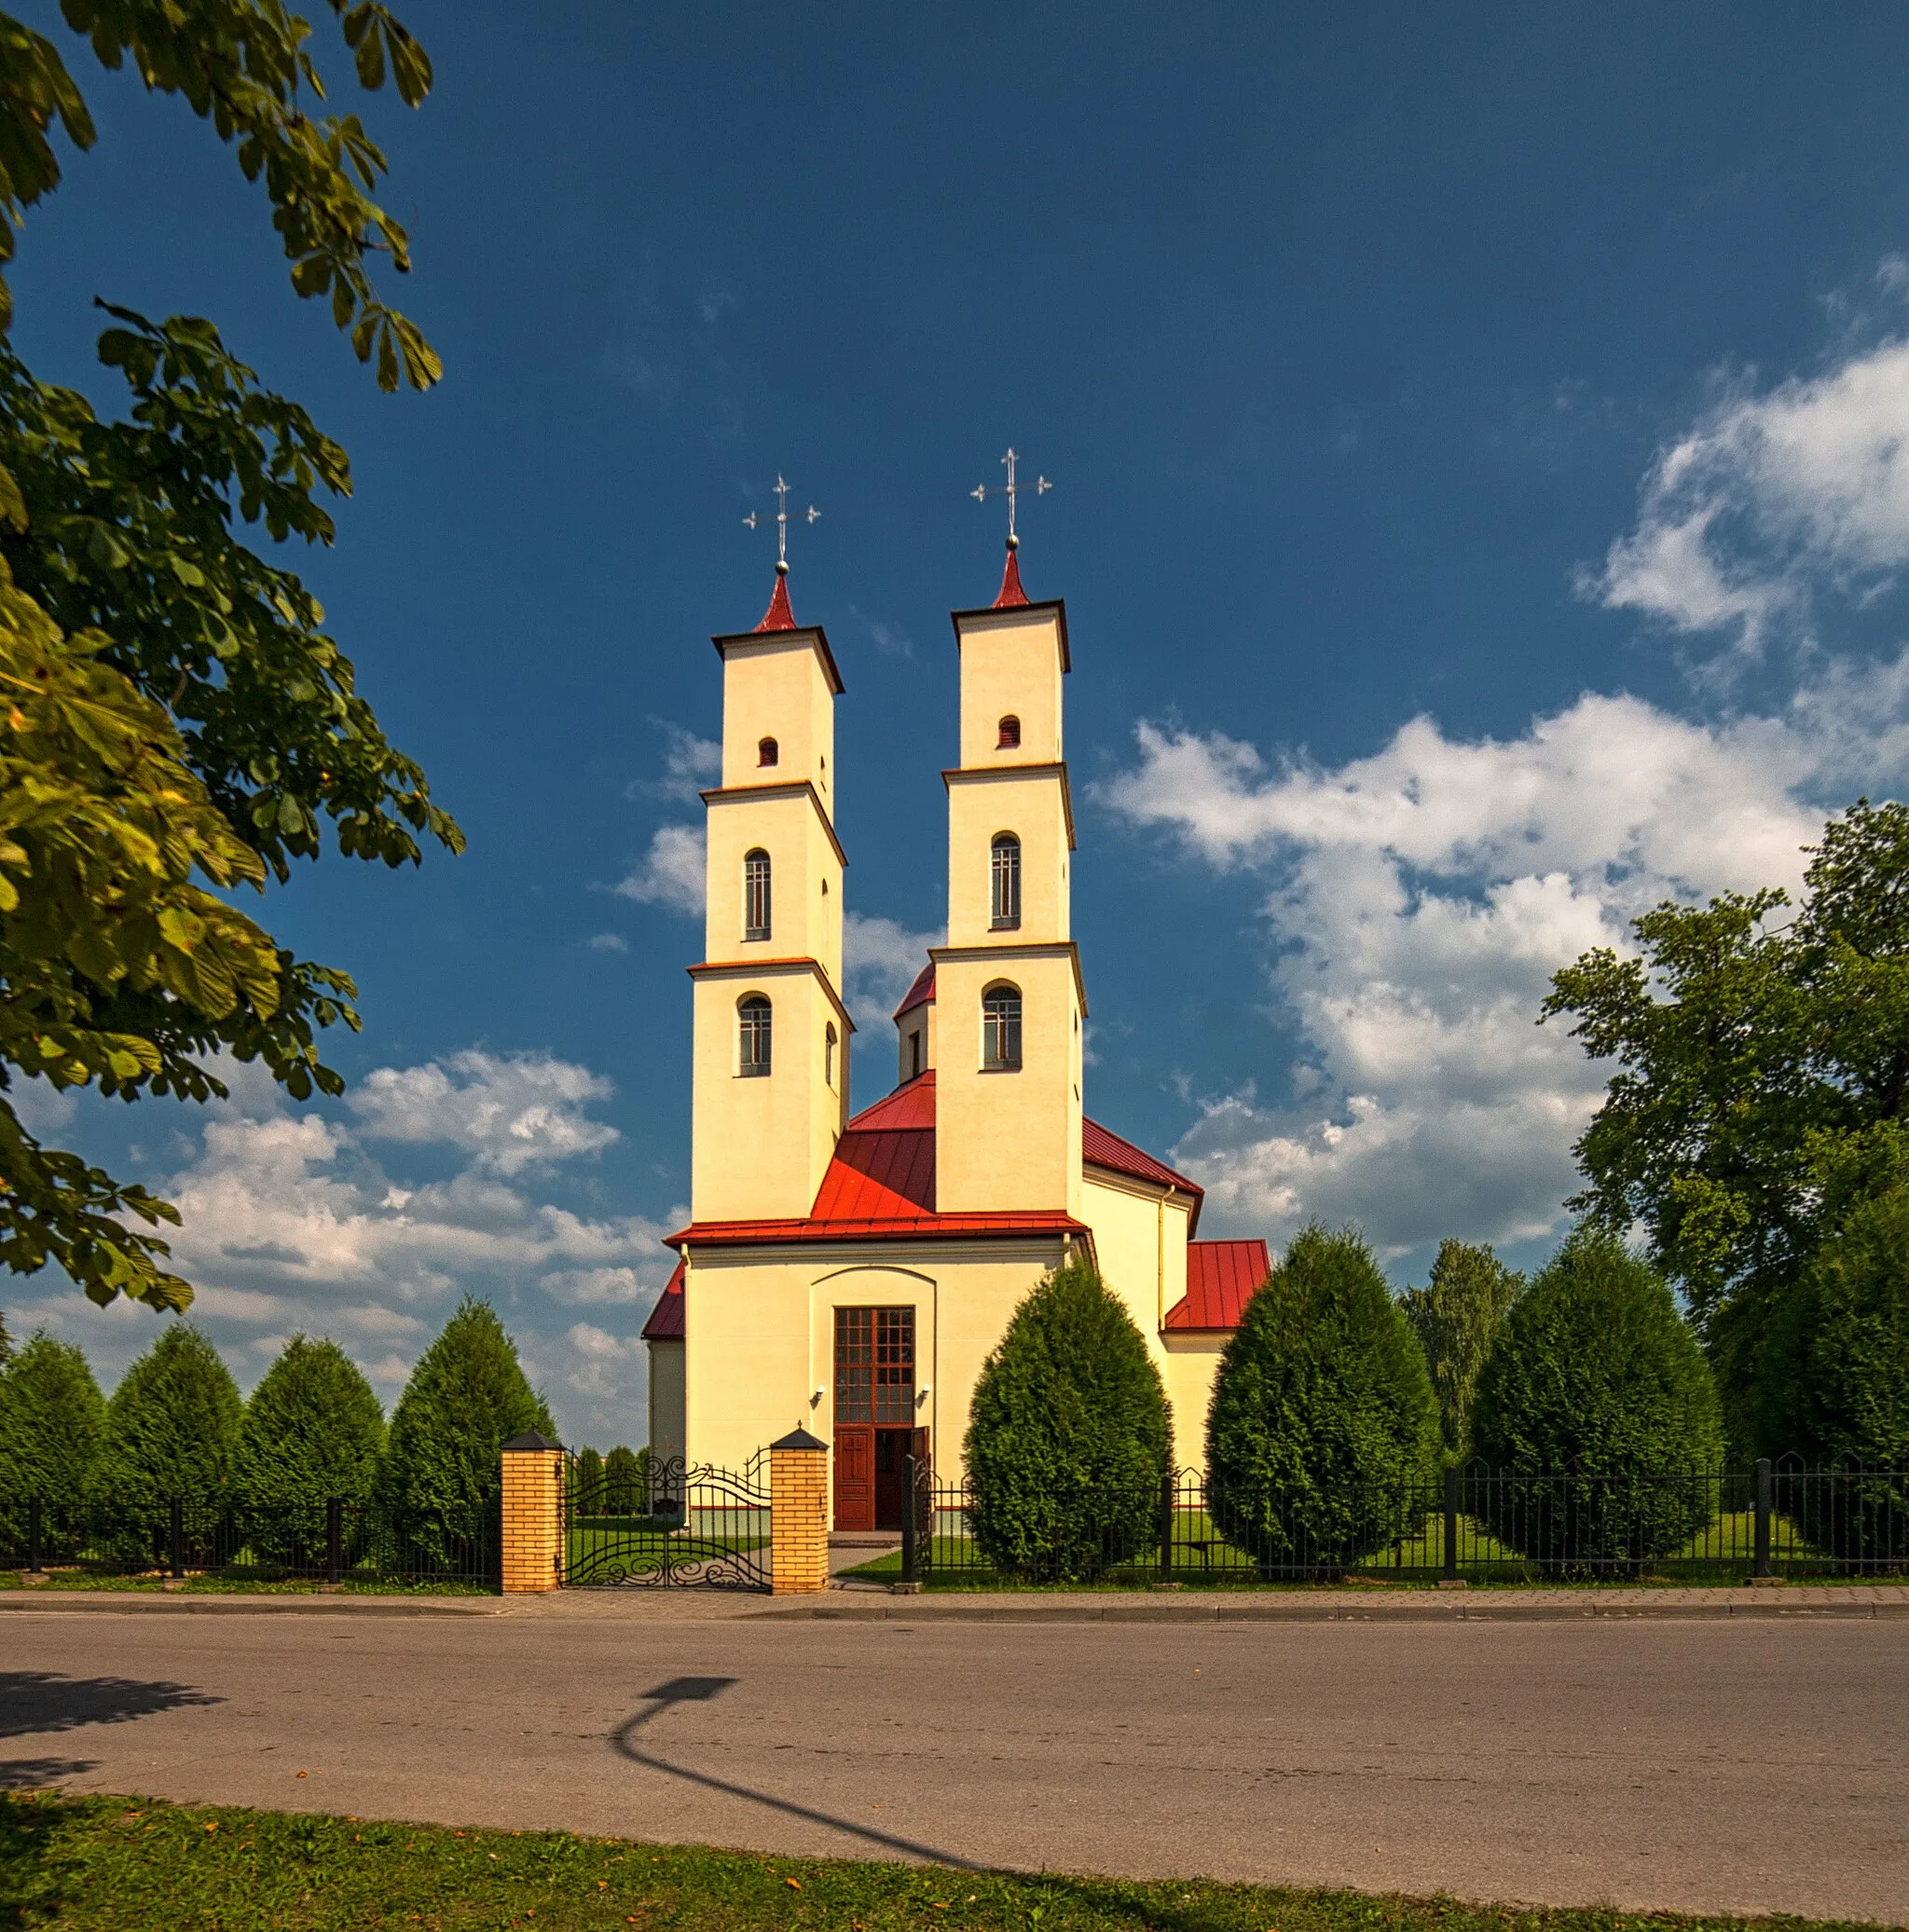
point(181, 1604)
point(1547, 1607)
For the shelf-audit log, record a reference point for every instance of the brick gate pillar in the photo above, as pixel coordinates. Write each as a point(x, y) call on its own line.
point(798, 1514)
point(533, 1513)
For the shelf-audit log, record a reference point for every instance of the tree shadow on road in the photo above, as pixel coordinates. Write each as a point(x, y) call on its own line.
point(35, 1702)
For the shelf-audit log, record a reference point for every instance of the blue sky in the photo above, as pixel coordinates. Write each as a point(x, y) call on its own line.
point(1477, 504)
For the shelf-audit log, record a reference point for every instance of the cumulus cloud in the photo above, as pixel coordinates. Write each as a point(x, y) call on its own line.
point(880, 958)
point(1769, 495)
point(511, 1113)
point(293, 1220)
point(609, 942)
point(1419, 900)
point(671, 873)
point(689, 764)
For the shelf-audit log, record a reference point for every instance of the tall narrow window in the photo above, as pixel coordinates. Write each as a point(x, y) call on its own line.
point(1006, 881)
point(1010, 738)
point(753, 1016)
point(914, 1055)
point(828, 1053)
point(1000, 1028)
point(755, 895)
point(767, 752)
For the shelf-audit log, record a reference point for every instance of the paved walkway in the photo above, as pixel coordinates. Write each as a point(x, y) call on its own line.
point(1688, 1759)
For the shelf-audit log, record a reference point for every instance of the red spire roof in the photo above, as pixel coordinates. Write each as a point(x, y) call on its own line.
point(1012, 593)
point(920, 992)
point(778, 616)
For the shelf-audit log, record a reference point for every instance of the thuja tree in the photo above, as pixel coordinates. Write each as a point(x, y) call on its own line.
point(172, 1431)
point(1597, 1384)
point(1457, 1316)
point(1834, 1380)
point(180, 722)
point(52, 1421)
point(1323, 1427)
point(312, 1430)
point(440, 1479)
point(626, 1480)
point(1069, 1435)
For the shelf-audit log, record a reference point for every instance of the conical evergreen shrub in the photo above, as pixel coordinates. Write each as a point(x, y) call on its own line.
point(1068, 1437)
point(1833, 1379)
point(172, 1431)
point(1597, 1383)
point(626, 1482)
point(52, 1422)
point(312, 1430)
point(442, 1473)
point(1323, 1428)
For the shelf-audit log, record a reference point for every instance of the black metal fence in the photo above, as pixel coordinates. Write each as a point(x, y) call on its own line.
point(695, 1526)
point(334, 1542)
point(1476, 1524)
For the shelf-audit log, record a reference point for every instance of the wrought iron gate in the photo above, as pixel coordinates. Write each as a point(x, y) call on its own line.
point(675, 1526)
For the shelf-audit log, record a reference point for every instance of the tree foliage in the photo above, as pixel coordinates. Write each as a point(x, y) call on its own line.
point(1596, 1381)
point(312, 1430)
point(626, 1480)
point(1763, 1068)
point(172, 1431)
point(1069, 1434)
point(467, 1397)
point(52, 1421)
point(1457, 1316)
point(174, 723)
point(1323, 1417)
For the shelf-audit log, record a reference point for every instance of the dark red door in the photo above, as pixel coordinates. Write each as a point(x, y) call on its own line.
point(855, 1476)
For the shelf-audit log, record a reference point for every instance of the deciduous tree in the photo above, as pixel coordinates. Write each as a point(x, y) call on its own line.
point(1457, 1316)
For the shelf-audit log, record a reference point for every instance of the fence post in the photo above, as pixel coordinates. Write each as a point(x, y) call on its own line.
point(1450, 1570)
point(1168, 1486)
point(911, 1502)
point(533, 1525)
point(1762, 1518)
point(334, 1541)
point(32, 1538)
point(799, 1514)
point(178, 1562)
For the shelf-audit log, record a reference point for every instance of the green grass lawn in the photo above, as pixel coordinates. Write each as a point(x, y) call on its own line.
point(128, 1865)
point(218, 1585)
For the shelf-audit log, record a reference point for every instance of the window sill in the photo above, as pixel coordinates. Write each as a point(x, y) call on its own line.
point(1004, 925)
point(753, 1073)
point(1004, 1069)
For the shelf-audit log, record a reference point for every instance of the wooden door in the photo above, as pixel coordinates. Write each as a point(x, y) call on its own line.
point(855, 1476)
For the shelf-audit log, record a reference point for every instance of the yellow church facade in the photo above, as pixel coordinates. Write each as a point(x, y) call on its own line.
point(852, 1271)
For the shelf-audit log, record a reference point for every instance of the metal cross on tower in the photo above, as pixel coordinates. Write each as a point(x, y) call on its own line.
point(1011, 490)
point(751, 520)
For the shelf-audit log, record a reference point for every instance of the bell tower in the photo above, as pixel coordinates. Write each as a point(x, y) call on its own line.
point(1010, 1001)
point(770, 1065)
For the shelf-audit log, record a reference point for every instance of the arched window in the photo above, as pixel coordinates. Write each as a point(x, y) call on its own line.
point(752, 1012)
point(767, 752)
point(828, 1053)
point(1006, 881)
point(755, 894)
point(1010, 739)
point(1000, 1027)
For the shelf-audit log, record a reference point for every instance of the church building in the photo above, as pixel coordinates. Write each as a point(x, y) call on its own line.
point(852, 1271)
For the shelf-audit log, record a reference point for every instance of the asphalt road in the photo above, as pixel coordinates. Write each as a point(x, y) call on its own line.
point(1747, 1766)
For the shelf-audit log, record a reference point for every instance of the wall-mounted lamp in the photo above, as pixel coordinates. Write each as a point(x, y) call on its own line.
point(922, 1394)
point(816, 1400)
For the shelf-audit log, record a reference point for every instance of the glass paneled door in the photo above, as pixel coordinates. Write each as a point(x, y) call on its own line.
point(874, 1415)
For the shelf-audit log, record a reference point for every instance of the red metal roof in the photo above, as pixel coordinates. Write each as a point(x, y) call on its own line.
point(915, 1226)
point(1100, 1148)
point(911, 1106)
point(665, 1322)
point(1221, 1278)
point(879, 1176)
point(920, 992)
point(1011, 594)
point(778, 616)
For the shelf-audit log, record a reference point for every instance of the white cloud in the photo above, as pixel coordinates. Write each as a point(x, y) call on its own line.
point(1771, 494)
point(609, 942)
point(1422, 897)
point(689, 763)
point(671, 873)
point(511, 1113)
point(880, 958)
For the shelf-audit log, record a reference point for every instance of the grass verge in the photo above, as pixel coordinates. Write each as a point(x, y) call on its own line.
point(238, 1586)
point(131, 1865)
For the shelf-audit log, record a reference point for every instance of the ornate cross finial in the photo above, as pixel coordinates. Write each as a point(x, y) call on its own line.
point(1011, 490)
point(781, 523)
